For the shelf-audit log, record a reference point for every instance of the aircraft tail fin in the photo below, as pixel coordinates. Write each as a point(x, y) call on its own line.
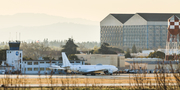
point(66, 62)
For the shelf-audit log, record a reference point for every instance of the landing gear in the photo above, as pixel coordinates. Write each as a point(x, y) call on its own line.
point(106, 72)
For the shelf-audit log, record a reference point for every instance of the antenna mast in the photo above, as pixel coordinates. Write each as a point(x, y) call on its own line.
point(16, 35)
point(19, 36)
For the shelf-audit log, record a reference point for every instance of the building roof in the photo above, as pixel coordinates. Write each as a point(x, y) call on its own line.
point(157, 16)
point(122, 17)
point(154, 62)
point(51, 60)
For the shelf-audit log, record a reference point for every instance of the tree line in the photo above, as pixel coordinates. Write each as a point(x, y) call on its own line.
point(49, 50)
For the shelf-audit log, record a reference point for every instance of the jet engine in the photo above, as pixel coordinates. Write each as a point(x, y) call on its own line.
point(108, 71)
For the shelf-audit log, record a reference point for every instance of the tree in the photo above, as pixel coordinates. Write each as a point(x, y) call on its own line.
point(70, 47)
point(104, 48)
point(27, 58)
point(134, 49)
point(117, 50)
point(107, 49)
point(128, 55)
point(46, 58)
point(72, 57)
point(157, 54)
point(34, 50)
point(3, 54)
point(96, 50)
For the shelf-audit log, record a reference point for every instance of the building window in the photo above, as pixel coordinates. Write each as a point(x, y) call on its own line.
point(77, 61)
point(29, 63)
point(41, 69)
point(24, 69)
point(35, 69)
point(29, 69)
point(42, 62)
point(35, 63)
point(71, 61)
point(47, 69)
point(47, 62)
point(53, 62)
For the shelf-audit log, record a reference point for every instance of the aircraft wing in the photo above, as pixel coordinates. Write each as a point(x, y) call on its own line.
point(55, 68)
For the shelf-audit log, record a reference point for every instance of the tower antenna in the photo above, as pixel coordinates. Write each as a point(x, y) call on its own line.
point(9, 36)
point(16, 35)
point(19, 36)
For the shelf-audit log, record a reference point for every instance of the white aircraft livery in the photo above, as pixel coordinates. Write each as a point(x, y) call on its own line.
point(88, 69)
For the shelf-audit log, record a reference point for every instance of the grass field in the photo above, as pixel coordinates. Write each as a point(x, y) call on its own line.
point(139, 82)
point(50, 80)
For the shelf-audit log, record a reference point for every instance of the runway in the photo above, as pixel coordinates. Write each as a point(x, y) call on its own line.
point(66, 76)
point(114, 76)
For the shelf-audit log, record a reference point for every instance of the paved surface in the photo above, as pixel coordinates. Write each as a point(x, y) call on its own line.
point(75, 76)
point(66, 76)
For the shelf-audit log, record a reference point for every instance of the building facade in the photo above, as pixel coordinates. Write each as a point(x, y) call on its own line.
point(42, 66)
point(145, 30)
point(151, 64)
point(104, 59)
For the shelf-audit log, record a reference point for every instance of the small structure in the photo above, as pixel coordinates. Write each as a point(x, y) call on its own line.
point(172, 42)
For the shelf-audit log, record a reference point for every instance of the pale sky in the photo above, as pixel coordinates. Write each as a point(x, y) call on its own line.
point(94, 10)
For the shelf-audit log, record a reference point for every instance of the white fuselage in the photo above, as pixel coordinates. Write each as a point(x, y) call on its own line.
point(88, 68)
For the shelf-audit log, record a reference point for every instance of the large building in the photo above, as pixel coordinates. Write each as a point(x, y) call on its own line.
point(145, 30)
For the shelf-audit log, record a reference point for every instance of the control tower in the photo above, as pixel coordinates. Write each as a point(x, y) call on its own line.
point(14, 56)
point(14, 45)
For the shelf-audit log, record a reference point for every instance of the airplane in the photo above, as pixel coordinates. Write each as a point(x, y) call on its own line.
point(88, 69)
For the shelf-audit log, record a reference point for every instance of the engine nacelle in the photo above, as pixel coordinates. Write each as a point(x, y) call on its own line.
point(109, 72)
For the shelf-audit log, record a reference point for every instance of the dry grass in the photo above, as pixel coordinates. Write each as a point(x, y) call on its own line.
point(64, 81)
point(75, 80)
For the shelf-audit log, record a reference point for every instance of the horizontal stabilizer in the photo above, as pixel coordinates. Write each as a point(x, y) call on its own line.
point(55, 67)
